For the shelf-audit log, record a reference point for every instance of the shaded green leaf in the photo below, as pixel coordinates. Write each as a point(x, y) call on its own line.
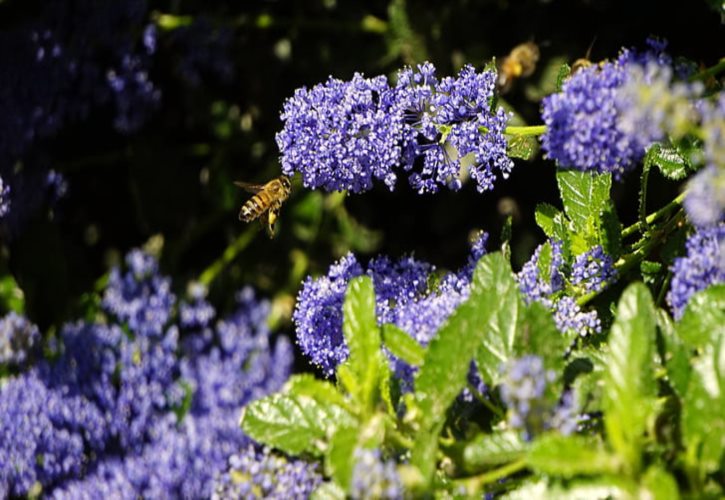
point(339, 460)
point(493, 449)
point(658, 484)
point(674, 354)
point(668, 159)
point(564, 72)
point(496, 291)
point(538, 334)
point(322, 391)
point(403, 345)
point(328, 491)
point(294, 424)
point(362, 336)
point(544, 216)
point(630, 383)
point(584, 195)
point(11, 296)
point(611, 235)
point(523, 147)
point(568, 456)
point(703, 411)
point(486, 323)
point(704, 319)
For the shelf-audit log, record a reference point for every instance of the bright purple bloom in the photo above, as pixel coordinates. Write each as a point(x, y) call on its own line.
point(18, 336)
point(373, 477)
point(593, 270)
point(704, 265)
point(583, 120)
point(262, 474)
point(705, 199)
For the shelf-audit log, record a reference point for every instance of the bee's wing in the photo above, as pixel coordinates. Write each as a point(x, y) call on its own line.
point(251, 188)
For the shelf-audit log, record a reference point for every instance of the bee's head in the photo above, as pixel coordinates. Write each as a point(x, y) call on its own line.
point(285, 181)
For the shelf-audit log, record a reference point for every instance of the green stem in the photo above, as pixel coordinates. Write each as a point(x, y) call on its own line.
point(525, 131)
point(485, 402)
point(637, 226)
point(709, 72)
point(230, 253)
point(473, 484)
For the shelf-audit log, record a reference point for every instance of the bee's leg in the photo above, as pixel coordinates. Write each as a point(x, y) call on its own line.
point(272, 216)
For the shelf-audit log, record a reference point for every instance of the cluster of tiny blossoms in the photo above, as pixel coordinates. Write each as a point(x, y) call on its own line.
point(404, 297)
point(17, 338)
point(524, 392)
point(584, 127)
point(342, 135)
point(140, 405)
point(592, 271)
point(704, 265)
point(255, 474)
point(373, 477)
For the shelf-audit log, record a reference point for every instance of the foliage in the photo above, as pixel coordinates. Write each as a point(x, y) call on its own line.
point(581, 353)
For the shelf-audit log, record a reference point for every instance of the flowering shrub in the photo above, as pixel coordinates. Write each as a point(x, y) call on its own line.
point(586, 360)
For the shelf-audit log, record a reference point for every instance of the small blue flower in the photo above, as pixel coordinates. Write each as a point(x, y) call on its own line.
point(374, 478)
point(704, 265)
point(523, 391)
point(18, 336)
point(583, 120)
point(705, 199)
point(593, 270)
point(262, 474)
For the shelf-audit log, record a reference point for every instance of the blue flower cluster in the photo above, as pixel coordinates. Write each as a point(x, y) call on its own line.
point(18, 336)
point(138, 406)
point(374, 478)
point(523, 391)
point(584, 129)
point(342, 135)
point(557, 288)
point(404, 297)
point(261, 474)
point(705, 198)
point(593, 270)
point(704, 265)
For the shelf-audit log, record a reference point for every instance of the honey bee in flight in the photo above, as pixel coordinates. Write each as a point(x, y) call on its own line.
point(521, 62)
point(266, 202)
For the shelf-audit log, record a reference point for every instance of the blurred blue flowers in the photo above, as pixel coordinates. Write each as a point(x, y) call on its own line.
point(703, 265)
point(138, 407)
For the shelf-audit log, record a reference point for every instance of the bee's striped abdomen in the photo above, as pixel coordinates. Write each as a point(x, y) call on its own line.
point(255, 207)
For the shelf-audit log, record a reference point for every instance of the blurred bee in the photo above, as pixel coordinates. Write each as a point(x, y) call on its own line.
point(521, 62)
point(582, 62)
point(266, 202)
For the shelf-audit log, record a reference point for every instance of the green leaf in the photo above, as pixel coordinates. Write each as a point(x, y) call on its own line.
point(544, 216)
point(339, 461)
point(486, 323)
point(630, 385)
point(650, 271)
point(564, 72)
point(668, 159)
point(328, 491)
point(496, 291)
point(569, 456)
point(538, 334)
point(658, 484)
point(599, 488)
point(523, 147)
point(703, 411)
point(11, 296)
point(675, 355)
point(584, 195)
point(362, 336)
point(403, 345)
point(611, 235)
point(294, 424)
point(493, 449)
point(704, 319)
point(305, 384)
